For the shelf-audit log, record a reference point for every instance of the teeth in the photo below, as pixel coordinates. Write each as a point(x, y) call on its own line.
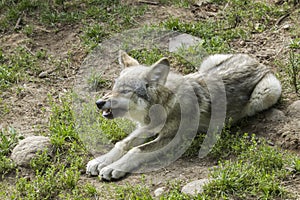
point(107, 111)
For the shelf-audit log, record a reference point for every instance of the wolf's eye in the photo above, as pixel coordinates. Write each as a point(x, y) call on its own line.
point(125, 91)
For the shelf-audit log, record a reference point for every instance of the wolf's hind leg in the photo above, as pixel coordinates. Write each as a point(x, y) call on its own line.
point(265, 94)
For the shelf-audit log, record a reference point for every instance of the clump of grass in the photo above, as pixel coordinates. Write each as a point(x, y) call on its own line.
point(8, 140)
point(297, 164)
point(133, 192)
point(239, 20)
point(178, 3)
point(293, 70)
point(96, 82)
point(49, 184)
point(177, 61)
point(58, 176)
point(147, 56)
point(97, 133)
point(213, 41)
point(230, 143)
point(108, 17)
point(15, 68)
point(257, 172)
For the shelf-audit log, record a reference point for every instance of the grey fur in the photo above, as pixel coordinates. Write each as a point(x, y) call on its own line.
point(155, 98)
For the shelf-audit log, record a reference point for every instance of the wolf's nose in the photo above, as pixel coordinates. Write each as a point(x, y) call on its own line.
point(100, 103)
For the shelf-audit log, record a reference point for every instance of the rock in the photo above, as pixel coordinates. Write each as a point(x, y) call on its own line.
point(286, 26)
point(159, 191)
point(27, 149)
point(274, 115)
point(294, 109)
point(43, 74)
point(183, 40)
point(195, 187)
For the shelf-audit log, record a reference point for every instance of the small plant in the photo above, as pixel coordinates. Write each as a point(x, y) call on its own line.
point(97, 82)
point(17, 67)
point(6, 165)
point(133, 192)
point(257, 171)
point(8, 140)
point(293, 70)
point(297, 164)
point(94, 34)
point(150, 56)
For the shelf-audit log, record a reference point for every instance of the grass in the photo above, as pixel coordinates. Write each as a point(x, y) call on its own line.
point(96, 82)
point(57, 176)
point(9, 139)
point(17, 67)
point(291, 76)
point(247, 167)
point(258, 171)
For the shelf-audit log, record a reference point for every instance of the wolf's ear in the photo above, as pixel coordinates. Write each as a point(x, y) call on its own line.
point(159, 72)
point(126, 61)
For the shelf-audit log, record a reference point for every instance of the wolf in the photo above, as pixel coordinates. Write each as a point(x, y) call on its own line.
point(158, 99)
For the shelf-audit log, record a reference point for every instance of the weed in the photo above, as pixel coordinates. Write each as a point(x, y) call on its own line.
point(96, 82)
point(133, 192)
point(15, 68)
point(256, 172)
point(94, 34)
point(6, 165)
point(8, 140)
point(41, 161)
point(4, 108)
point(147, 56)
point(58, 176)
point(178, 61)
point(213, 41)
point(228, 144)
point(293, 70)
point(48, 184)
point(179, 3)
point(97, 132)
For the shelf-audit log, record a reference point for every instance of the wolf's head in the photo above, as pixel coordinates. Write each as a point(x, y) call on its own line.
point(135, 90)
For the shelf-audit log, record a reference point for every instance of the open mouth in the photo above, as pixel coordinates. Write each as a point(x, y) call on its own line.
point(107, 113)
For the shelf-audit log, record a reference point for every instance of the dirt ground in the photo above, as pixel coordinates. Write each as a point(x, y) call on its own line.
point(29, 108)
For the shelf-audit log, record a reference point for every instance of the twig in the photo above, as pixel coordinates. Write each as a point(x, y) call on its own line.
point(18, 22)
point(27, 49)
point(148, 2)
point(281, 19)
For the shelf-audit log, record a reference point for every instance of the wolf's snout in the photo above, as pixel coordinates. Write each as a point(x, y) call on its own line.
point(100, 103)
point(105, 106)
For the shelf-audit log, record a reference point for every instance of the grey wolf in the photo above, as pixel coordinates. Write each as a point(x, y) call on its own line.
point(149, 96)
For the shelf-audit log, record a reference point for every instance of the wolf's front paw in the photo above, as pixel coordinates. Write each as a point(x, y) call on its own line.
point(91, 168)
point(109, 174)
point(94, 166)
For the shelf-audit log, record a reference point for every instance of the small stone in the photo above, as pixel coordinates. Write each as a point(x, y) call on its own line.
point(26, 150)
point(274, 115)
point(294, 109)
point(43, 74)
point(195, 187)
point(159, 191)
point(286, 26)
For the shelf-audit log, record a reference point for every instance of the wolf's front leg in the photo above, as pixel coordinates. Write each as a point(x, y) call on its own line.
point(136, 138)
point(152, 155)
